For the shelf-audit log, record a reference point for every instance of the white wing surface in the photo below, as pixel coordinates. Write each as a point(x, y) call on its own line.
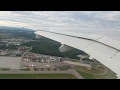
point(104, 49)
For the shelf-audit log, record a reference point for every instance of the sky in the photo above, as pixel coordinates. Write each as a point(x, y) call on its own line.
point(63, 20)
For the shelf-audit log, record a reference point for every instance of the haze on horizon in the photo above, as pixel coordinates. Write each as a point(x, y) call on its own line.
point(90, 21)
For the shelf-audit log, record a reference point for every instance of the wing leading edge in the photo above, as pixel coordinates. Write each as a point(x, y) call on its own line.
point(103, 49)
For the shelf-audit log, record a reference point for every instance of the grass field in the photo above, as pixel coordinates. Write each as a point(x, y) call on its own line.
point(96, 71)
point(48, 69)
point(4, 69)
point(26, 69)
point(62, 69)
point(54, 69)
point(109, 75)
point(35, 69)
point(37, 76)
point(12, 47)
point(3, 35)
point(42, 69)
point(85, 59)
point(75, 60)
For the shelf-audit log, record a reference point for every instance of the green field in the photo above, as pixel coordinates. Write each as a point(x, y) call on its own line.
point(42, 69)
point(75, 60)
point(109, 75)
point(55, 69)
point(11, 47)
point(4, 35)
point(62, 69)
point(48, 69)
point(35, 69)
point(4, 69)
point(84, 59)
point(94, 71)
point(26, 69)
point(37, 76)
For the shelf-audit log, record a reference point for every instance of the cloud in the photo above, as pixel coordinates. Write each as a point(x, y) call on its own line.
point(11, 23)
point(62, 20)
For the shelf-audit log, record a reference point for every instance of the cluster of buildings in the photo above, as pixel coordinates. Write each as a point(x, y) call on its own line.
point(84, 60)
point(4, 52)
point(15, 41)
point(93, 62)
point(39, 58)
point(18, 52)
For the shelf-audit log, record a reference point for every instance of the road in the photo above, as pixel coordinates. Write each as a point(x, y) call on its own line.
point(70, 71)
point(105, 71)
point(76, 63)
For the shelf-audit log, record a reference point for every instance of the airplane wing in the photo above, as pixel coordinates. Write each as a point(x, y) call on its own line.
point(104, 49)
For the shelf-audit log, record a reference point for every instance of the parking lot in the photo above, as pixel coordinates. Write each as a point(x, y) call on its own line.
point(25, 64)
point(16, 64)
point(38, 65)
point(10, 62)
